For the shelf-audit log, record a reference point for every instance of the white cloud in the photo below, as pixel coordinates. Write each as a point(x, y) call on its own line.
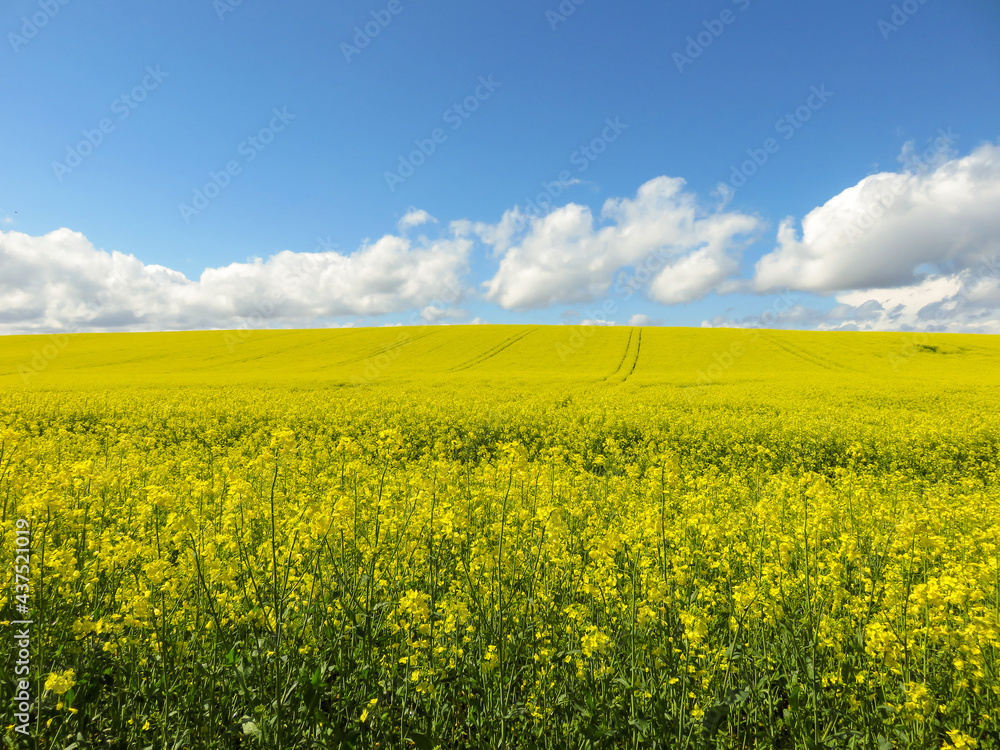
point(498, 237)
point(60, 281)
point(694, 275)
point(413, 218)
point(563, 258)
point(641, 319)
point(436, 314)
point(893, 230)
point(964, 302)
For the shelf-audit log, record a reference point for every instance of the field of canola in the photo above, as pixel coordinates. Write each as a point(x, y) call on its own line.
point(504, 536)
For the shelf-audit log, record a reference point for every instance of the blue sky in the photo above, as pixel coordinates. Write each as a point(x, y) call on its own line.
point(842, 105)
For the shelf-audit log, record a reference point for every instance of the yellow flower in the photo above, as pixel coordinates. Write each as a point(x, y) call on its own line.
point(593, 641)
point(960, 740)
point(919, 700)
point(490, 658)
point(59, 683)
point(371, 704)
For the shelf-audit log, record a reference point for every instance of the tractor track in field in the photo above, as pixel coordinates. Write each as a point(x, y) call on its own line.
point(829, 362)
point(384, 349)
point(271, 353)
point(635, 362)
point(796, 352)
point(621, 362)
point(626, 361)
point(490, 353)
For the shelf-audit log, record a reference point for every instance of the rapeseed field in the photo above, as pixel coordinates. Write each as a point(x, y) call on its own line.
point(503, 537)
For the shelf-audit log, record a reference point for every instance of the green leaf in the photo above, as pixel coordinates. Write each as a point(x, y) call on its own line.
point(715, 718)
point(640, 724)
point(251, 728)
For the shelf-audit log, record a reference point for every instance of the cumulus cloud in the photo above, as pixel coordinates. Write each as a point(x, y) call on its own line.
point(60, 281)
point(564, 258)
point(641, 319)
point(894, 230)
point(414, 218)
point(437, 314)
point(963, 302)
point(966, 302)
